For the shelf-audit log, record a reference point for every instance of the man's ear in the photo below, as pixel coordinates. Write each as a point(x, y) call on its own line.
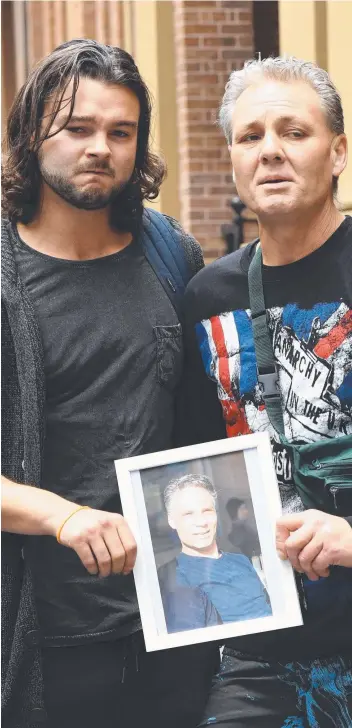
point(339, 154)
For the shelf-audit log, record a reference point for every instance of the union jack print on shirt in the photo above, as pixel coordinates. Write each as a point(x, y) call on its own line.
point(313, 350)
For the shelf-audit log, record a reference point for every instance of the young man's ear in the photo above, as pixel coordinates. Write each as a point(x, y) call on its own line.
point(171, 523)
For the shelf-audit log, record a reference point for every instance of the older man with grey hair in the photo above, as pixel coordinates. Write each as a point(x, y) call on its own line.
point(283, 121)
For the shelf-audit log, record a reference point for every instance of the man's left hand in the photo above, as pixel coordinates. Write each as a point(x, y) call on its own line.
point(313, 541)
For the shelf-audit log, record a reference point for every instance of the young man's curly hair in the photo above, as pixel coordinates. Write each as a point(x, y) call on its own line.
point(29, 126)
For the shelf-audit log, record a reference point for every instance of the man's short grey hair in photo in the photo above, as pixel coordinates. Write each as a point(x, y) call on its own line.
point(286, 70)
point(187, 481)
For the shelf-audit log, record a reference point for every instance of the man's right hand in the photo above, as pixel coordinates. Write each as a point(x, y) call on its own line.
point(102, 540)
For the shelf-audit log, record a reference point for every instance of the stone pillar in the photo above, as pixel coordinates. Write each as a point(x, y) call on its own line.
point(51, 22)
point(149, 28)
point(320, 32)
point(302, 30)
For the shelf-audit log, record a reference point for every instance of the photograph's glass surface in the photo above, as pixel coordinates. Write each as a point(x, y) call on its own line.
point(204, 520)
point(205, 542)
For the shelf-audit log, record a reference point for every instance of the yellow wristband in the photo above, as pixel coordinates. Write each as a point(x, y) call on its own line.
point(79, 508)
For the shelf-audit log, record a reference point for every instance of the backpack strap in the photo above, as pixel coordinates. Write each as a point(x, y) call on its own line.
point(163, 250)
point(267, 371)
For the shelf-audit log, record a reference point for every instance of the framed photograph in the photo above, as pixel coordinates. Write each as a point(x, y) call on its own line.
point(204, 521)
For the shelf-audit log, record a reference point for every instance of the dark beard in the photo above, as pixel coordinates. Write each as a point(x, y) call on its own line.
point(93, 199)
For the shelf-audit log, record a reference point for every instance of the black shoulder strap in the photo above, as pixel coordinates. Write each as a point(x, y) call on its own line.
point(267, 370)
point(165, 254)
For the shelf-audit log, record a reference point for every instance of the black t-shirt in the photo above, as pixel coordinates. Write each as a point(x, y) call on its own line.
point(113, 356)
point(309, 305)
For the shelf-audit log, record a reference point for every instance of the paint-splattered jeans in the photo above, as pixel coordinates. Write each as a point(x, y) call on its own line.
point(251, 694)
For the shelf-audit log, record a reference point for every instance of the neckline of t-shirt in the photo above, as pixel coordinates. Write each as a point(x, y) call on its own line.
point(203, 558)
point(111, 258)
point(279, 272)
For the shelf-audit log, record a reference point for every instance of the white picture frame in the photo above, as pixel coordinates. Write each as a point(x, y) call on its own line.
point(250, 457)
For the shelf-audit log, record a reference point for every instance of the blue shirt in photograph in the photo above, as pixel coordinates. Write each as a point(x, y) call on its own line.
point(188, 608)
point(231, 583)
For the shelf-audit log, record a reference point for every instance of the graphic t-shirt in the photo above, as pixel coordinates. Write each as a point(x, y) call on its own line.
point(230, 582)
point(309, 306)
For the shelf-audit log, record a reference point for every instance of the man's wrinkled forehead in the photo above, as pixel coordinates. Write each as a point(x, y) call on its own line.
point(273, 100)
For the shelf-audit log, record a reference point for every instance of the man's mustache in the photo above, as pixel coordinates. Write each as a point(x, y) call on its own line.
point(102, 167)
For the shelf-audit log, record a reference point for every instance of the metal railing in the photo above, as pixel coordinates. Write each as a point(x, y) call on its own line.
point(233, 233)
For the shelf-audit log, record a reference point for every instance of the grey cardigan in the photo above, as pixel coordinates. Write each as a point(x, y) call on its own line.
point(23, 400)
point(22, 412)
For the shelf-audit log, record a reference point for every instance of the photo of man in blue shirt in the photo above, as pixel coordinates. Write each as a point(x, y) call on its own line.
point(229, 580)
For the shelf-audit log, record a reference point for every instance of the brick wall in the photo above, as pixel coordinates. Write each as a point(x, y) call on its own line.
point(211, 39)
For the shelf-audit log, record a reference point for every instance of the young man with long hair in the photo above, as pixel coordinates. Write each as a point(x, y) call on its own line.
point(92, 356)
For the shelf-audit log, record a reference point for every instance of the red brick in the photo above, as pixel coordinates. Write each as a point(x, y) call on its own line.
point(203, 178)
point(190, 67)
point(195, 116)
point(198, 104)
point(245, 17)
point(222, 191)
point(239, 55)
point(230, 40)
point(217, 214)
point(201, 129)
point(235, 29)
point(197, 3)
point(190, 17)
point(191, 41)
point(211, 41)
point(201, 79)
point(200, 54)
point(204, 202)
point(206, 17)
point(216, 141)
point(200, 29)
point(233, 4)
point(199, 153)
point(220, 66)
point(205, 228)
point(193, 91)
point(209, 38)
point(246, 41)
point(196, 166)
point(218, 166)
